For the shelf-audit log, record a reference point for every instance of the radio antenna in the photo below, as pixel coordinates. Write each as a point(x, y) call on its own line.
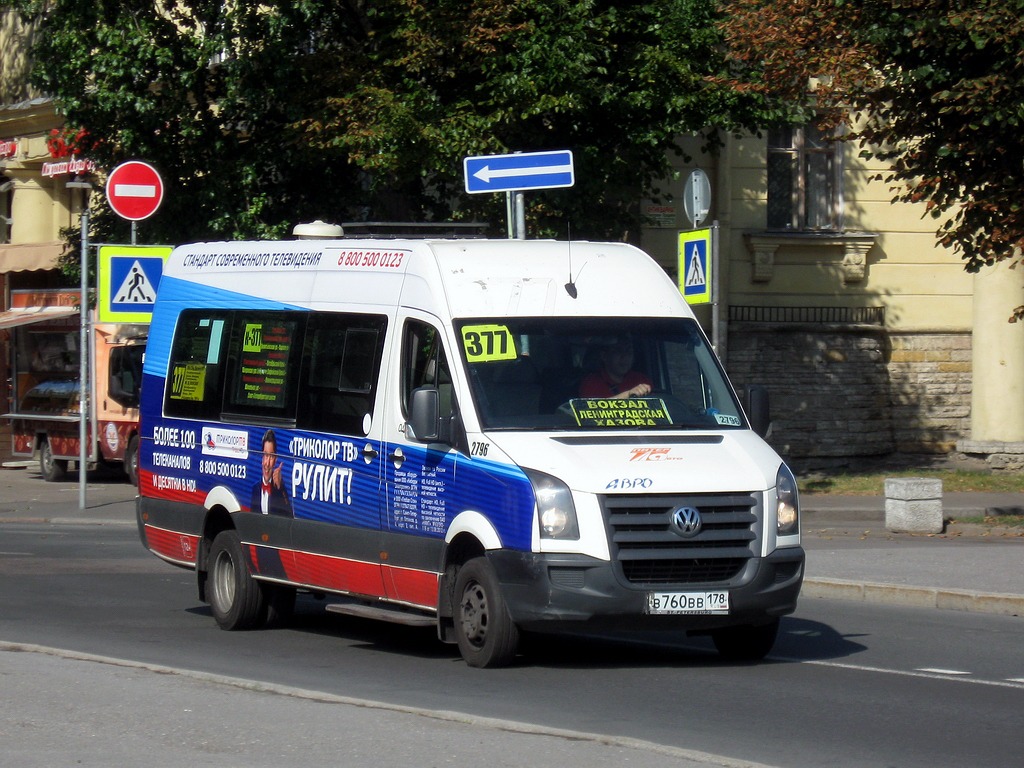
point(570, 287)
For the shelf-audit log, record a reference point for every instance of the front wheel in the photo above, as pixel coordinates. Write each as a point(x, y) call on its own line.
point(236, 599)
point(746, 643)
point(484, 629)
point(50, 468)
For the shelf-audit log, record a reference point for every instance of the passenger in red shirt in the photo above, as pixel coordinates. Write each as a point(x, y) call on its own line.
point(616, 380)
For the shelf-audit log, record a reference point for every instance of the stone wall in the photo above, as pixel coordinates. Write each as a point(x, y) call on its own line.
point(856, 391)
point(930, 390)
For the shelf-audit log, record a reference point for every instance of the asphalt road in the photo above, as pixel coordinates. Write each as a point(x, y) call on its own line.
point(848, 684)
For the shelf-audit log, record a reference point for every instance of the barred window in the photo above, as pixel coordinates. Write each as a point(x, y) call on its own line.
point(804, 180)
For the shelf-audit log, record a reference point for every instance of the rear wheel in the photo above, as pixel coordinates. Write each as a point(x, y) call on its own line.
point(747, 643)
point(236, 600)
point(484, 629)
point(50, 468)
point(131, 461)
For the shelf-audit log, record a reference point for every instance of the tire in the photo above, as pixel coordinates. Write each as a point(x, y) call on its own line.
point(280, 602)
point(131, 461)
point(747, 643)
point(50, 468)
point(484, 630)
point(236, 599)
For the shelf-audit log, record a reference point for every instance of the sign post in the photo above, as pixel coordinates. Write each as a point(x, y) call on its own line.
point(134, 191)
point(698, 271)
point(128, 278)
point(698, 251)
point(515, 173)
point(697, 197)
point(83, 343)
point(696, 267)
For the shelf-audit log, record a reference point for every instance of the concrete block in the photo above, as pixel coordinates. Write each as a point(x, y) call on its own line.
point(913, 488)
point(913, 505)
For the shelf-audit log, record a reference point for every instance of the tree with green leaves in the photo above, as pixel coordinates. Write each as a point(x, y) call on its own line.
point(210, 93)
point(263, 114)
point(933, 87)
point(616, 82)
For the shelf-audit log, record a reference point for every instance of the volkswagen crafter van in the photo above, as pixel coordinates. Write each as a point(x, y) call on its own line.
point(485, 436)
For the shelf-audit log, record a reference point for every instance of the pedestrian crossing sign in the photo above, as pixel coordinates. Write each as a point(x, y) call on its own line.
point(127, 281)
point(695, 266)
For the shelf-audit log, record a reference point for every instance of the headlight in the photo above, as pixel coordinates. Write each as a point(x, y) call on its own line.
point(555, 510)
point(788, 513)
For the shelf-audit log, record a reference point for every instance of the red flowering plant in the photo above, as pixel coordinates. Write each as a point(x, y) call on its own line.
point(68, 142)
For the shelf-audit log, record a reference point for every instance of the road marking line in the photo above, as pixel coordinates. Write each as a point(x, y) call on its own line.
point(935, 671)
point(1017, 684)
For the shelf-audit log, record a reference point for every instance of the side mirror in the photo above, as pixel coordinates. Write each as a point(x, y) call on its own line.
point(758, 409)
point(424, 418)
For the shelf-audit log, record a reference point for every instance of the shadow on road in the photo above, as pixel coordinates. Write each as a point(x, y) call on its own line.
point(799, 640)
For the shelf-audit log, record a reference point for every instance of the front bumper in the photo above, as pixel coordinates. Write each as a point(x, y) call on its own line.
point(553, 591)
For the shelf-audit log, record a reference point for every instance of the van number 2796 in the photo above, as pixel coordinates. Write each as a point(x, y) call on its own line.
point(479, 449)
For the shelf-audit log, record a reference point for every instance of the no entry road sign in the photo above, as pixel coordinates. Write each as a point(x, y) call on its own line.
point(525, 170)
point(135, 190)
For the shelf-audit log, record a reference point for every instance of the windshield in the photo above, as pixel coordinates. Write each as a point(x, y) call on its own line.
point(595, 373)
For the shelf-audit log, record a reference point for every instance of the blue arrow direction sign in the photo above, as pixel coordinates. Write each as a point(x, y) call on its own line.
point(525, 170)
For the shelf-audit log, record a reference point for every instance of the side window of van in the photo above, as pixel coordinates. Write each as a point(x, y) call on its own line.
point(341, 363)
point(194, 376)
point(424, 364)
point(263, 354)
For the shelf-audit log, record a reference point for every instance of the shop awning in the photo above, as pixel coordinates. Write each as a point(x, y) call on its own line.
point(28, 257)
point(13, 318)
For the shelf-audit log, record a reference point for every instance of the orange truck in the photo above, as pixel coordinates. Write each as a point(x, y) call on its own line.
point(45, 420)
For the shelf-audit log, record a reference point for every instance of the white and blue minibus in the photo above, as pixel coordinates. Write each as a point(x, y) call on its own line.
point(486, 436)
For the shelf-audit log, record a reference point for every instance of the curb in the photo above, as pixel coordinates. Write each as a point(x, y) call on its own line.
point(90, 521)
point(915, 597)
point(67, 521)
point(691, 757)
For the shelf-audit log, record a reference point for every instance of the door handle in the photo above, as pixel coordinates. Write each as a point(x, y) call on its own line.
point(369, 453)
point(397, 457)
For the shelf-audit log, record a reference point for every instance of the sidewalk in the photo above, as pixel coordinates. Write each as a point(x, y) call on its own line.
point(850, 554)
point(968, 567)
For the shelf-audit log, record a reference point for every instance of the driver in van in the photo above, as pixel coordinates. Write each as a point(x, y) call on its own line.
point(616, 379)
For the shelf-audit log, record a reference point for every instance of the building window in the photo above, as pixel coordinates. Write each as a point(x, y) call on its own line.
point(804, 180)
point(6, 204)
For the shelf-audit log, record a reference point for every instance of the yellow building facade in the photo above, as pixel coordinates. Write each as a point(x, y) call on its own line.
point(871, 338)
point(35, 204)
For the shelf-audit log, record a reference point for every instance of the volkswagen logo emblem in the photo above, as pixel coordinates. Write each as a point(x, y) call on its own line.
point(686, 521)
